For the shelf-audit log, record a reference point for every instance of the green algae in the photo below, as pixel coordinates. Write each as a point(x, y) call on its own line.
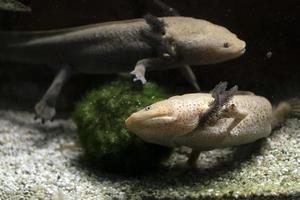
point(100, 118)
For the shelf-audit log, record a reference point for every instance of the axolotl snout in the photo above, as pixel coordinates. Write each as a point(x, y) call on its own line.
point(176, 121)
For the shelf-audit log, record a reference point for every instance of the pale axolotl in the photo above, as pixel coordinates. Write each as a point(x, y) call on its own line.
point(117, 47)
point(205, 121)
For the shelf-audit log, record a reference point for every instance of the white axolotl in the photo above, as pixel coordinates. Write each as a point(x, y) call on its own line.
point(205, 121)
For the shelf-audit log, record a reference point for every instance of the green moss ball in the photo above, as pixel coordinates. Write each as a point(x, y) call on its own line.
point(100, 117)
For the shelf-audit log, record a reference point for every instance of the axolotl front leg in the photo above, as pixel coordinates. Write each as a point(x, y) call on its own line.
point(158, 64)
point(230, 112)
point(45, 108)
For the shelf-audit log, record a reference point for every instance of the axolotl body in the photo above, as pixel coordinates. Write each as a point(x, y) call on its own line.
point(176, 121)
point(117, 47)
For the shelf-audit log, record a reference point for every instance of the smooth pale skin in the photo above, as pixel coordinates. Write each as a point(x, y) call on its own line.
point(175, 122)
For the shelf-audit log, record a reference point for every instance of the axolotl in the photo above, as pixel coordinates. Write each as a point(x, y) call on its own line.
point(120, 46)
point(190, 120)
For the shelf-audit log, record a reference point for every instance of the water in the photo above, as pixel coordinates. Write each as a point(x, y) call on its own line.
point(270, 67)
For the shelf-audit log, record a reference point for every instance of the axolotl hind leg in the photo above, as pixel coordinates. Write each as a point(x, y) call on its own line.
point(45, 108)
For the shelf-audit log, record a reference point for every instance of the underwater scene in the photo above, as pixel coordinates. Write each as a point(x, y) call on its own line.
point(149, 99)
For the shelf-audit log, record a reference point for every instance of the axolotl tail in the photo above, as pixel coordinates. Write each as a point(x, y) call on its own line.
point(87, 45)
point(28, 47)
point(285, 109)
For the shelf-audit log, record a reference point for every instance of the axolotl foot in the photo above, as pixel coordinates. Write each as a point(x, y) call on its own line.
point(139, 79)
point(44, 111)
point(45, 108)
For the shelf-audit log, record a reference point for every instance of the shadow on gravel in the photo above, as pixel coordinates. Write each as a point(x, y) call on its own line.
point(151, 182)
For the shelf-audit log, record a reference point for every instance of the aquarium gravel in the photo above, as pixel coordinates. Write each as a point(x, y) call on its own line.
point(36, 163)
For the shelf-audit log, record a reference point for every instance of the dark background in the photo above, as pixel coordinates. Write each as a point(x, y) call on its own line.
point(266, 26)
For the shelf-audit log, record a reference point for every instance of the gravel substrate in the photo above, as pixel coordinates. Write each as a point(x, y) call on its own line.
point(37, 163)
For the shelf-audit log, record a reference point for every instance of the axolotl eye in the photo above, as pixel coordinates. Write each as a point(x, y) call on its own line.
point(226, 45)
point(147, 108)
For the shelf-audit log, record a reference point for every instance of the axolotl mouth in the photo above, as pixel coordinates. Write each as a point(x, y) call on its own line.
point(243, 48)
point(139, 120)
point(237, 49)
point(150, 117)
point(155, 125)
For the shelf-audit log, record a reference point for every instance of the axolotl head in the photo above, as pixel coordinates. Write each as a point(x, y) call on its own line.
point(160, 122)
point(201, 42)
